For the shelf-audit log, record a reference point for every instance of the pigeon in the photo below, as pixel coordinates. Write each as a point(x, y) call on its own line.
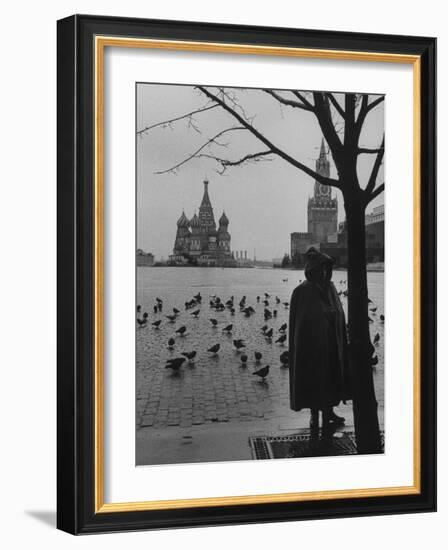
point(284, 358)
point(281, 339)
point(374, 360)
point(286, 304)
point(156, 309)
point(195, 313)
point(266, 295)
point(370, 320)
point(258, 356)
point(175, 364)
point(269, 333)
point(258, 298)
point(239, 344)
point(377, 338)
point(285, 280)
point(142, 322)
point(181, 330)
point(171, 343)
point(382, 318)
point(262, 373)
point(277, 300)
point(373, 309)
point(264, 328)
point(244, 360)
point(214, 322)
point(232, 311)
point(176, 311)
point(214, 349)
point(172, 318)
point(275, 313)
point(190, 355)
point(156, 324)
point(265, 302)
point(198, 297)
point(139, 308)
point(369, 301)
point(283, 327)
point(228, 329)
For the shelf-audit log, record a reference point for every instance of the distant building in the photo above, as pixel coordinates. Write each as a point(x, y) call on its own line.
point(198, 242)
point(144, 259)
point(322, 213)
point(242, 260)
point(375, 235)
point(323, 230)
point(322, 207)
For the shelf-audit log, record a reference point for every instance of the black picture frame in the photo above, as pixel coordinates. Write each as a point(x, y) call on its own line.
point(76, 264)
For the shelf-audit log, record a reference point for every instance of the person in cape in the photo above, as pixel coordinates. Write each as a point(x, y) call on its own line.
point(318, 373)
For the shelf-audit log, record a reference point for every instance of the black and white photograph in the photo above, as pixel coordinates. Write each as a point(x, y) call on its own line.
point(260, 273)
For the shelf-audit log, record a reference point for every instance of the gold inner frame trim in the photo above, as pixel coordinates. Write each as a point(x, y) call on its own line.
point(101, 42)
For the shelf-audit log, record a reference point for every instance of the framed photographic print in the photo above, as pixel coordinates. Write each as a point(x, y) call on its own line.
point(246, 274)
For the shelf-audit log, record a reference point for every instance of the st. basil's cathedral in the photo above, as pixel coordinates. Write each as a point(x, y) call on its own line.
point(198, 242)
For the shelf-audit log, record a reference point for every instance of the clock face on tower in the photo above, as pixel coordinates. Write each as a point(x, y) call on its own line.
point(324, 190)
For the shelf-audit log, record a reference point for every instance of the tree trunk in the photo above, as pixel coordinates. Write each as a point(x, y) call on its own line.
point(365, 406)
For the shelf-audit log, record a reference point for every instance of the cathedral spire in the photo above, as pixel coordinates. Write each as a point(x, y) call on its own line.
point(206, 218)
point(323, 169)
point(206, 199)
point(323, 152)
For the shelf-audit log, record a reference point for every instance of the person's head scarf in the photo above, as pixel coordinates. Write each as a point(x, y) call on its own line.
point(318, 266)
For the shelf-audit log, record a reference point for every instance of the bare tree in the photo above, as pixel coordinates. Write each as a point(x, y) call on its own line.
point(341, 122)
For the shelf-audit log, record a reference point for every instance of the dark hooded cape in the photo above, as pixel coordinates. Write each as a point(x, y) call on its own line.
point(318, 366)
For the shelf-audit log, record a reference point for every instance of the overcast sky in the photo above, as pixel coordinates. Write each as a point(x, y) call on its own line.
point(265, 201)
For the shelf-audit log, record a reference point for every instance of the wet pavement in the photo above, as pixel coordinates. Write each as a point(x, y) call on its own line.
point(216, 396)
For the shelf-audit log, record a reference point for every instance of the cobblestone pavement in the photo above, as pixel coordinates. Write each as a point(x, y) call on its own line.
point(219, 388)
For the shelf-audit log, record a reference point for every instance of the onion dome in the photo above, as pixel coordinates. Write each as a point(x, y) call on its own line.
point(223, 220)
point(194, 222)
point(182, 221)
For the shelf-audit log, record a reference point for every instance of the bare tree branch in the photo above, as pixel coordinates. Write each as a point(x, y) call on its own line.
point(210, 141)
point(324, 118)
point(364, 110)
point(368, 151)
point(226, 163)
point(274, 149)
point(375, 193)
point(336, 105)
point(237, 106)
point(168, 122)
point(375, 103)
point(303, 99)
point(361, 114)
point(376, 168)
point(290, 102)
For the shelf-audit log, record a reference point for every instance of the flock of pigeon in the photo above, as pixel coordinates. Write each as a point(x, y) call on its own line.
point(193, 307)
point(216, 304)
